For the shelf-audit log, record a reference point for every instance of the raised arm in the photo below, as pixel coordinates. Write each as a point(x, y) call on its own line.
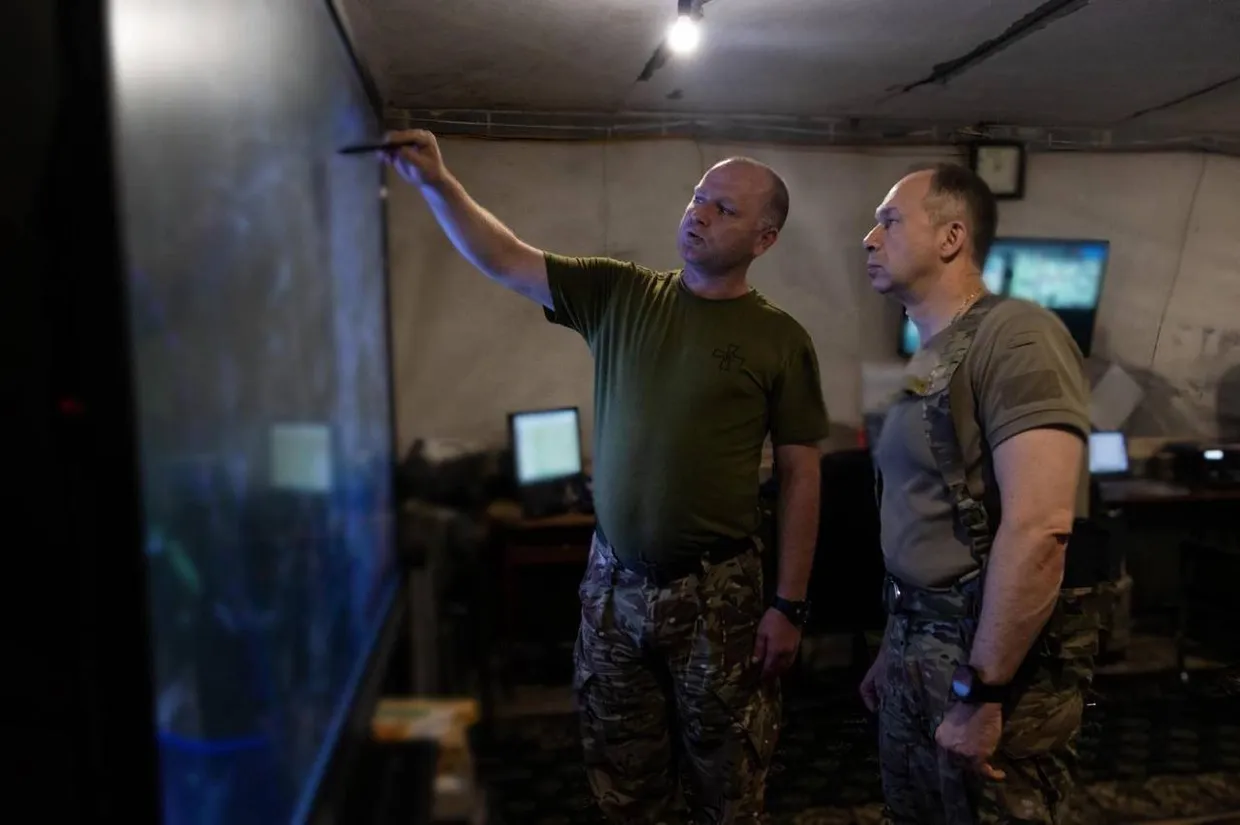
point(477, 234)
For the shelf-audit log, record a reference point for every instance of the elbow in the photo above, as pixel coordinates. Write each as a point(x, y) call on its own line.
point(1052, 524)
point(514, 262)
point(1043, 540)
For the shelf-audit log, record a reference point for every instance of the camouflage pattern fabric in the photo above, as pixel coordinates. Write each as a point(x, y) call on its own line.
point(1150, 747)
point(666, 688)
point(1115, 608)
point(925, 641)
point(931, 632)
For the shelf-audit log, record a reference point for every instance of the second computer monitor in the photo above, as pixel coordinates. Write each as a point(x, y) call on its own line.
point(546, 445)
point(1108, 454)
point(1062, 275)
point(547, 459)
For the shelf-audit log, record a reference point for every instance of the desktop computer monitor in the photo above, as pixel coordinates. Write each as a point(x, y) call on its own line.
point(1108, 454)
point(546, 457)
point(1065, 276)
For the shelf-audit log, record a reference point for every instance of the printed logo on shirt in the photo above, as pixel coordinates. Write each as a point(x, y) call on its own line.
point(729, 357)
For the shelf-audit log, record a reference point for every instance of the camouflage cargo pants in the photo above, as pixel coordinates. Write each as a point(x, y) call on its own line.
point(667, 689)
point(921, 784)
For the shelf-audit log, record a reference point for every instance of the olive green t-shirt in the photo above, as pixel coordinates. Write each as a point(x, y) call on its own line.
point(1023, 371)
point(686, 390)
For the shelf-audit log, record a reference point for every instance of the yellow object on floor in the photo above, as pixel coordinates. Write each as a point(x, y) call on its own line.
point(445, 721)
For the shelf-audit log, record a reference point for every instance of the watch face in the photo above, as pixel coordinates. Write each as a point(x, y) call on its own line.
point(962, 682)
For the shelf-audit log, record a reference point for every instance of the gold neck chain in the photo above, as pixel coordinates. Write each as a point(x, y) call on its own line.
point(966, 303)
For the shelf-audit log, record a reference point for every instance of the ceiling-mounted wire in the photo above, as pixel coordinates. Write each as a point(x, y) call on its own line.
point(824, 131)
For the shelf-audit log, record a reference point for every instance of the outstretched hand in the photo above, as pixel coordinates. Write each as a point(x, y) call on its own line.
point(777, 643)
point(420, 163)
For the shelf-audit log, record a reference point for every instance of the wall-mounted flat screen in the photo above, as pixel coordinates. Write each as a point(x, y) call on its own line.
point(1065, 276)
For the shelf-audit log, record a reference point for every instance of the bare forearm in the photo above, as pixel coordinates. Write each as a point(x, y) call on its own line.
point(477, 234)
point(798, 531)
point(1023, 576)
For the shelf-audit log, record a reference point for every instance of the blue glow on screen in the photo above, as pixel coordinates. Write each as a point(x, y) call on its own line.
point(259, 337)
point(1059, 275)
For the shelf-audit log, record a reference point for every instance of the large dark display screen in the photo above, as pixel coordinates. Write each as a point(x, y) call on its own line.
point(258, 310)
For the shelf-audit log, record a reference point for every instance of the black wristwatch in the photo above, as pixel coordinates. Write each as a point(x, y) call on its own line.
point(968, 687)
point(797, 612)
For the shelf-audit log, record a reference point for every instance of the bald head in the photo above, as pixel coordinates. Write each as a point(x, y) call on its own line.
point(737, 210)
point(775, 212)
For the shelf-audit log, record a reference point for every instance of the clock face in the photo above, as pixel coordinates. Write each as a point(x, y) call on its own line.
point(999, 166)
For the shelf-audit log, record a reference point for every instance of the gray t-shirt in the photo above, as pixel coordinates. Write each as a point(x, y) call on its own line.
point(1023, 371)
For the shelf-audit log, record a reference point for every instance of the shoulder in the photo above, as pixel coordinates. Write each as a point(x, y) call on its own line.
point(778, 321)
point(599, 265)
point(1019, 339)
point(1015, 318)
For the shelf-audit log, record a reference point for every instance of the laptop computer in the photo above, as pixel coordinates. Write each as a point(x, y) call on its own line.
point(1108, 455)
point(1110, 467)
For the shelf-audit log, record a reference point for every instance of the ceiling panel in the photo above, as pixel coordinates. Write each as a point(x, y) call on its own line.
point(757, 56)
point(818, 57)
point(510, 54)
point(1216, 111)
point(1098, 66)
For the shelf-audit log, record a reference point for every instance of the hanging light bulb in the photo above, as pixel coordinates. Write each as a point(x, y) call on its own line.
point(683, 36)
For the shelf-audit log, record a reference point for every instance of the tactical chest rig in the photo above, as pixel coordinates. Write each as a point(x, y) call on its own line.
point(964, 599)
point(1071, 631)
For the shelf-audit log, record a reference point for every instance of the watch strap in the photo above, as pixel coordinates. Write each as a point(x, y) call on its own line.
point(797, 612)
point(984, 694)
point(981, 693)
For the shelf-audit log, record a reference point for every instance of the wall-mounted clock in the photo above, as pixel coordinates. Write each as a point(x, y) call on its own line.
point(1002, 166)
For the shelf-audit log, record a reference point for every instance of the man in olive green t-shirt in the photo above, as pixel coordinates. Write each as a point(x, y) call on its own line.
point(678, 647)
point(979, 682)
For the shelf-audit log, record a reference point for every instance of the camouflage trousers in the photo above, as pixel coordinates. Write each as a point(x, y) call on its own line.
point(677, 724)
point(924, 785)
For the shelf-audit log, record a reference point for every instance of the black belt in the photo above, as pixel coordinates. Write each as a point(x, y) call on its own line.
point(662, 574)
point(948, 603)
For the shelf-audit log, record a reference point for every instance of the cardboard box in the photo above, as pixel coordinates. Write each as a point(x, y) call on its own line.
point(445, 721)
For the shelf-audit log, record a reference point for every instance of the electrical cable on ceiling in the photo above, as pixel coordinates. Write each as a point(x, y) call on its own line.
point(799, 130)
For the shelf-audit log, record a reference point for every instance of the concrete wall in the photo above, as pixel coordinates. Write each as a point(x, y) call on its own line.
point(467, 351)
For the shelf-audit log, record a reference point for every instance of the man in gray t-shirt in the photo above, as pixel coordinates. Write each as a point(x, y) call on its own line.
point(1023, 372)
point(979, 682)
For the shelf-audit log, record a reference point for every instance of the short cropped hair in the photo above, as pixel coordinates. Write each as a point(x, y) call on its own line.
point(775, 213)
point(956, 189)
point(777, 205)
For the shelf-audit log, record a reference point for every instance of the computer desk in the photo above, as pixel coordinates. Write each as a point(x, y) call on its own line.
point(517, 543)
point(1149, 491)
point(1200, 513)
point(1165, 526)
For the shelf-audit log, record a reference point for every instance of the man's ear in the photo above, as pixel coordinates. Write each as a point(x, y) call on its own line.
point(766, 240)
point(953, 239)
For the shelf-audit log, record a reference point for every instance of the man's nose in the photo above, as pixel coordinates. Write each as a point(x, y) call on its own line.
point(870, 241)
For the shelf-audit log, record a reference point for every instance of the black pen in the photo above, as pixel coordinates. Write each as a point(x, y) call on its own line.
point(366, 148)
